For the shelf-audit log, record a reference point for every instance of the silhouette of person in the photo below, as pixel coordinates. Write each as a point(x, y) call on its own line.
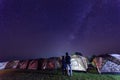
point(68, 64)
point(63, 66)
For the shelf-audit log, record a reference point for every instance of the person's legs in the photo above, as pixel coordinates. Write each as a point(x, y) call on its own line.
point(64, 70)
point(70, 69)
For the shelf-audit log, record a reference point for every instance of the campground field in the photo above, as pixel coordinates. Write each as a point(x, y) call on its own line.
point(52, 75)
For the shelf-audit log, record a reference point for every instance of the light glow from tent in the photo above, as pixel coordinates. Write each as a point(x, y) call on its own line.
point(116, 56)
point(3, 65)
point(77, 64)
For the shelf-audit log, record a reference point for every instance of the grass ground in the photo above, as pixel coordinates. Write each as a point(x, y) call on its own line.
point(52, 75)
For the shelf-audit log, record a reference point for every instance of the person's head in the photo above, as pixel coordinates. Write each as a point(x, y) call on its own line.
point(66, 53)
point(62, 57)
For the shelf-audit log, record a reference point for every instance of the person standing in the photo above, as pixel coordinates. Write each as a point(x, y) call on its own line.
point(68, 64)
point(63, 66)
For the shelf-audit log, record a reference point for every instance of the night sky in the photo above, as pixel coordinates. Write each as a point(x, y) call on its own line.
point(45, 28)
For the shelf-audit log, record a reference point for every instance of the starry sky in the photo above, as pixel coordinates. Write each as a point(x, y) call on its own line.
point(45, 28)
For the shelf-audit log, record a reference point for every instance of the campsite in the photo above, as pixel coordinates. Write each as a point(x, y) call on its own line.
point(102, 67)
point(59, 39)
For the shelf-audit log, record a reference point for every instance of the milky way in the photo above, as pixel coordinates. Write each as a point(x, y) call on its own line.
point(44, 28)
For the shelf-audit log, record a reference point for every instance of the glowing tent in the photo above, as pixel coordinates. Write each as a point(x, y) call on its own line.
point(33, 64)
point(12, 64)
point(23, 64)
point(53, 63)
point(78, 62)
point(50, 63)
point(2, 65)
point(108, 63)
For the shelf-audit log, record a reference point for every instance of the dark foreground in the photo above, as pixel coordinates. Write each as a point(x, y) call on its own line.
point(52, 75)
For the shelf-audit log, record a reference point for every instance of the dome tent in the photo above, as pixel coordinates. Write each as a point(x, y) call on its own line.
point(108, 63)
point(78, 62)
point(3, 65)
point(51, 63)
point(12, 64)
point(23, 64)
point(33, 64)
